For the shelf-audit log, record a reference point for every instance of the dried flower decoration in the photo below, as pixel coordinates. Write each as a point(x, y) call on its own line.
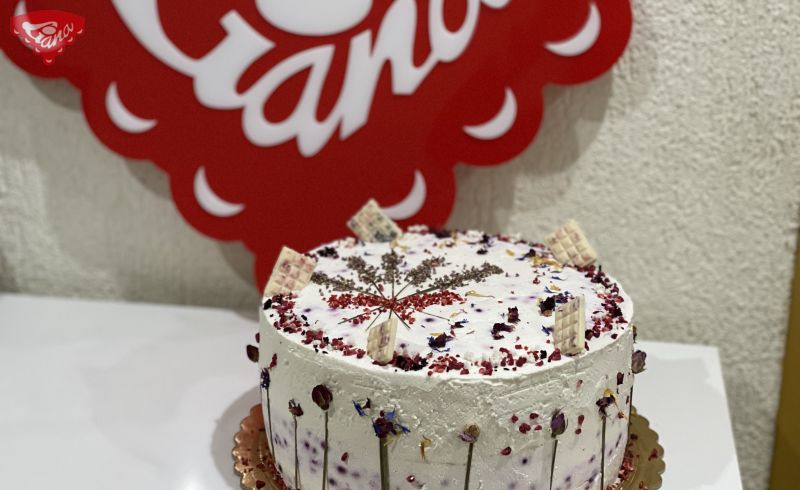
point(265, 380)
point(513, 314)
point(558, 424)
point(361, 409)
point(390, 263)
point(500, 327)
point(604, 402)
point(469, 435)
point(547, 306)
point(322, 396)
point(424, 444)
point(420, 274)
point(388, 424)
point(638, 361)
point(439, 342)
point(295, 409)
point(620, 378)
point(328, 252)
point(368, 274)
point(252, 353)
point(467, 276)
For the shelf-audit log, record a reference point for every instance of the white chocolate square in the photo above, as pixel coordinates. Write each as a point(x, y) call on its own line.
point(381, 341)
point(292, 272)
point(569, 332)
point(569, 245)
point(371, 224)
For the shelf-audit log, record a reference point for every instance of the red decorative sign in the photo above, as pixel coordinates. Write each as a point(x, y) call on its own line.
point(278, 119)
point(47, 32)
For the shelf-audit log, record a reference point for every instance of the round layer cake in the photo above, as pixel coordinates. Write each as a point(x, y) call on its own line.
point(434, 356)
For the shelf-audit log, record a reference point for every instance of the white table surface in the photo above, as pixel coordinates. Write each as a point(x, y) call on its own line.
point(117, 396)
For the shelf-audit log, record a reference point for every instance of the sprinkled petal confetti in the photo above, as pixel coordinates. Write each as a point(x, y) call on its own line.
point(570, 246)
point(569, 332)
point(292, 272)
point(371, 224)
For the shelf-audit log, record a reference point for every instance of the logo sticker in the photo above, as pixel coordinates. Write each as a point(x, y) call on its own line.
point(47, 32)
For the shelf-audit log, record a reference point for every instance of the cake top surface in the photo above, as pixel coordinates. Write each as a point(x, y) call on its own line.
point(465, 304)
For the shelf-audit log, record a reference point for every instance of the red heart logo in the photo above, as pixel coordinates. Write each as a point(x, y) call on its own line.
point(47, 31)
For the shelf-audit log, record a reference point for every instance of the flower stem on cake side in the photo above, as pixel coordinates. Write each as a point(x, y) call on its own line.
point(265, 381)
point(386, 426)
point(638, 364)
point(323, 397)
point(296, 411)
point(383, 447)
point(603, 403)
point(469, 435)
point(558, 425)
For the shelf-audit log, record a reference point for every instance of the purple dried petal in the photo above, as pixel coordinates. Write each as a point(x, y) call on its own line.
point(558, 424)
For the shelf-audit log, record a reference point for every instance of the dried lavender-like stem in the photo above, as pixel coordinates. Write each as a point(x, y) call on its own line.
point(390, 263)
point(424, 271)
point(338, 283)
point(458, 279)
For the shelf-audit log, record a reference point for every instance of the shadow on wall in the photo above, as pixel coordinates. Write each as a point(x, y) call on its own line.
point(119, 212)
point(572, 118)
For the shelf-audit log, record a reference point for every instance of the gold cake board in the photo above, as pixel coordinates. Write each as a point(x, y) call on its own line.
point(642, 468)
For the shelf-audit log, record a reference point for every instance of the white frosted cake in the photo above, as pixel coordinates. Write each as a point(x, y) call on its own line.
point(432, 360)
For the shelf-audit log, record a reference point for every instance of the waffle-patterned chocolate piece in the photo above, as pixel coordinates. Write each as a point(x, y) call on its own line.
point(292, 272)
point(381, 341)
point(371, 224)
point(570, 330)
point(569, 245)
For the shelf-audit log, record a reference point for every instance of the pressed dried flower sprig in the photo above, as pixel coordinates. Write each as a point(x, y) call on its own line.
point(265, 382)
point(386, 426)
point(297, 411)
point(603, 403)
point(372, 297)
point(558, 425)
point(323, 397)
point(469, 435)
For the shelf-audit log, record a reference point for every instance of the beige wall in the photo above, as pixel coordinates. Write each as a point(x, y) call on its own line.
point(683, 165)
